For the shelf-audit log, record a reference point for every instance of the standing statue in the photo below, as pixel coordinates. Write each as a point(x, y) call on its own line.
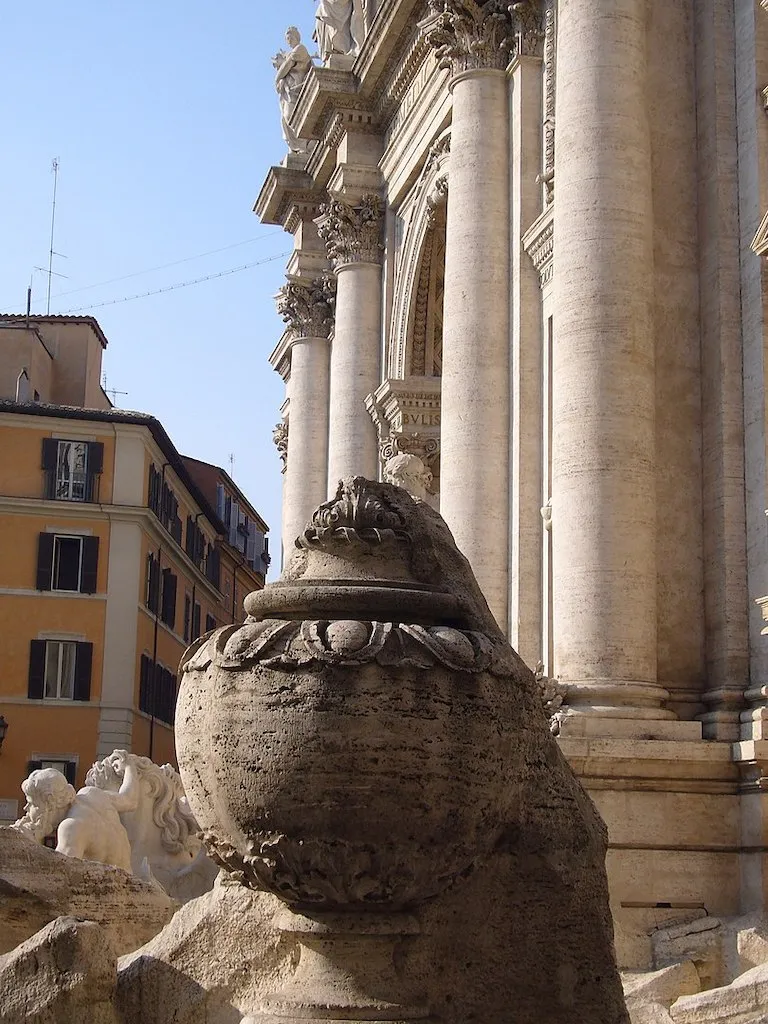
point(87, 822)
point(292, 68)
point(339, 27)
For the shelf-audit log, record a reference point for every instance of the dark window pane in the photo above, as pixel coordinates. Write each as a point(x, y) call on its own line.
point(66, 563)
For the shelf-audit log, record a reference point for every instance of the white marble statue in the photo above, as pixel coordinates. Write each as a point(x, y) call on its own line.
point(339, 27)
point(292, 68)
point(131, 813)
point(87, 822)
point(409, 472)
point(164, 837)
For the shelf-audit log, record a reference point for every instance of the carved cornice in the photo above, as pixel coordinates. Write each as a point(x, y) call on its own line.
point(307, 307)
point(538, 242)
point(474, 35)
point(352, 233)
point(280, 438)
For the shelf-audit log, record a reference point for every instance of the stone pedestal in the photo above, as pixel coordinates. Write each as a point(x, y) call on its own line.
point(603, 486)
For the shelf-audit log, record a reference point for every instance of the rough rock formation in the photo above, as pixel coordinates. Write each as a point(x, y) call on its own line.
point(37, 885)
point(64, 974)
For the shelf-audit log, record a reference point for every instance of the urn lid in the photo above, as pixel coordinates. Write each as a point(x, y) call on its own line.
point(354, 560)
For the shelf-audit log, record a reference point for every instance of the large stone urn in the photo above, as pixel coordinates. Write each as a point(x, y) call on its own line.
point(350, 748)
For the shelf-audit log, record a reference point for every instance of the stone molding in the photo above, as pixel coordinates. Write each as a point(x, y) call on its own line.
point(352, 232)
point(307, 307)
point(280, 439)
point(547, 176)
point(539, 242)
point(471, 35)
point(406, 414)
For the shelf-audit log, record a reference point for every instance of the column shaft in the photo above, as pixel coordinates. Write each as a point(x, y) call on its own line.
point(603, 489)
point(355, 361)
point(475, 383)
point(306, 469)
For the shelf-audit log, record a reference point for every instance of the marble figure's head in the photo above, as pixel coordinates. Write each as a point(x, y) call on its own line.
point(292, 36)
point(49, 797)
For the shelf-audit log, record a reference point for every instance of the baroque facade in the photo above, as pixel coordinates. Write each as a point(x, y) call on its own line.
point(527, 254)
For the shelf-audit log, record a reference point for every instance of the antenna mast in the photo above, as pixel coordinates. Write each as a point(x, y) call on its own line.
point(55, 169)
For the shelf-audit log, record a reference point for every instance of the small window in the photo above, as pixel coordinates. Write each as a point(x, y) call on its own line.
point(60, 657)
point(187, 616)
point(71, 469)
point(210, 623)
point(68, 564)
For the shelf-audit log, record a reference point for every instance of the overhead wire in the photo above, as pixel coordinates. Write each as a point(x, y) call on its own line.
point(165, 266)
point(174, 287)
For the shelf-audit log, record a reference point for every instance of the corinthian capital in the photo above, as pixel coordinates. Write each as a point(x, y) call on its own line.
point(307, 306)
point(471, 35)
point(352, 233)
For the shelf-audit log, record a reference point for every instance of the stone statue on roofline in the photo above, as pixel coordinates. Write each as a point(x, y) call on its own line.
point(339, 28)
point(292, 68)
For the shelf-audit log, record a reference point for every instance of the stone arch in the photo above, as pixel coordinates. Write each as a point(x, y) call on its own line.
point(417, 301)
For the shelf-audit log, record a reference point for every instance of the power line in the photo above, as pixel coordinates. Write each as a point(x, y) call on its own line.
point(181, 284)
point(165, 266)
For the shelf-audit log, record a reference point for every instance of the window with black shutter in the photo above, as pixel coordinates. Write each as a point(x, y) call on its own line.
point(168, 611)
point(196, 621)
point(144, 683)
point(213, 567)
point(210, 623)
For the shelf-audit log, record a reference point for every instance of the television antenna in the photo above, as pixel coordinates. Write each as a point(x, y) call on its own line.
point(232, 465)
point(51, 251)
point(114, 392)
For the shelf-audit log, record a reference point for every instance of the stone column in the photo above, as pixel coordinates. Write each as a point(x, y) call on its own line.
point(352, 233)
point(476, 42)
point(307, 308)
point(603, 488)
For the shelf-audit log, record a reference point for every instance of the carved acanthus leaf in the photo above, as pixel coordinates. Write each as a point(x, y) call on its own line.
point(352, 233)
point(471, 35)
point(307, 307)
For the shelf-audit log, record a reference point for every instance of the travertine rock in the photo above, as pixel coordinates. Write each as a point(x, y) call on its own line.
point(64, 974)
point(663, 986)
point(744, 1001)
point(37, 885)
point(752, 946)
point(699, 941)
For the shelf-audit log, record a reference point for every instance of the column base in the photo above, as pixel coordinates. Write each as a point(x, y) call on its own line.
point(574, 726)
point(609, 699)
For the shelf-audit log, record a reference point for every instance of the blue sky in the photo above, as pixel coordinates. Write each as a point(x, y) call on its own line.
point(164, 120)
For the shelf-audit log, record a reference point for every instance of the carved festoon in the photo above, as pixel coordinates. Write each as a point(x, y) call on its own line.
point(307, 307)
point(280, 439)
point(352, 232)
point(469, 35)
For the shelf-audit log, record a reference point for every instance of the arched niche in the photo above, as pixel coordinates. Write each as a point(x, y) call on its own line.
point(417, 313)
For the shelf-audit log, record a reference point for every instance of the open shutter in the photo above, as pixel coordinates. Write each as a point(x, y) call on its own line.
point(195, 621)
point(70, 772)
point(83, 663)
point(94, 466)
point(169, 598)
point(33, 766)
point(50, 454)
point(90, 565)
point(44, 560)
point(144, 683)
point(36, 670)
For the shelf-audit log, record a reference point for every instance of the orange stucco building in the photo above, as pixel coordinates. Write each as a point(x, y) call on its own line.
point(115, 553)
